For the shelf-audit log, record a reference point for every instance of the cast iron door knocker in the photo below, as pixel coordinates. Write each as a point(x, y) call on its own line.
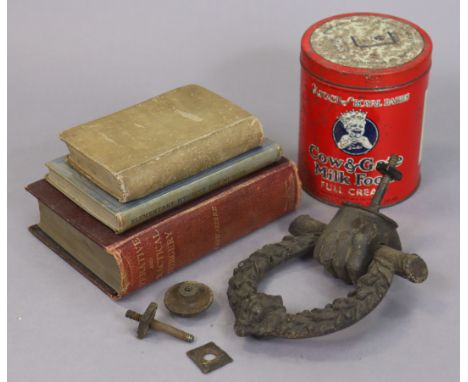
point(360, 246)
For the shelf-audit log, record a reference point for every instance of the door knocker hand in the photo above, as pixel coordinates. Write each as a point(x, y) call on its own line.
point(360, 246)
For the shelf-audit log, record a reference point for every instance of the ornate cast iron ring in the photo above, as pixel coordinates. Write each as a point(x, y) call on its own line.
point(262, 315)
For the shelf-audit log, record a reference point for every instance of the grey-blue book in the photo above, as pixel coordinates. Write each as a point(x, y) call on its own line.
point(122, 216)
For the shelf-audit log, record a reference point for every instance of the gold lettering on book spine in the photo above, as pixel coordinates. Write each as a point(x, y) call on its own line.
point(159, 253)
point(170, 245)
point(217, 226)
point(141, 261)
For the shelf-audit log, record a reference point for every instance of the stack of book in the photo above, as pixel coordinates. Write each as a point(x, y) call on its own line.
point(151, 188)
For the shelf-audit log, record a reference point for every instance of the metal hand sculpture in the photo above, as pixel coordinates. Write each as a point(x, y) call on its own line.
point(360, 246)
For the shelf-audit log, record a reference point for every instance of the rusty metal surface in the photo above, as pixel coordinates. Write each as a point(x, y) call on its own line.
point(188, 298)
point(360, 246)
point(147, 321)
point(200, 356)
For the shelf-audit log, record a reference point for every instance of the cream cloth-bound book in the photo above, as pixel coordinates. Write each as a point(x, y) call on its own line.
point(160, 141)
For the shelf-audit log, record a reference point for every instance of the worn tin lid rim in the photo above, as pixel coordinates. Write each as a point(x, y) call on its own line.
point(377, 88)
point(345, 76)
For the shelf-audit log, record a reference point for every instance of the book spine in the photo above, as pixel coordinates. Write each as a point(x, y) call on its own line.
point(189, 159)
point(204, 185)
point(205, 226)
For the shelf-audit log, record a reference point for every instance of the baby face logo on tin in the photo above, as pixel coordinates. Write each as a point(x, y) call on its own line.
point(354, 133)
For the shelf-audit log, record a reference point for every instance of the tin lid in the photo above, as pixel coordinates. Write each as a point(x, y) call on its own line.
point(366, 51)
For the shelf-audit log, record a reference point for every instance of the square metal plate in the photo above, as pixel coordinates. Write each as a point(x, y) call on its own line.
point(201, 357)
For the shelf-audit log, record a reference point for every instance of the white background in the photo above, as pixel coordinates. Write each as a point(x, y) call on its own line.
point(70, 62)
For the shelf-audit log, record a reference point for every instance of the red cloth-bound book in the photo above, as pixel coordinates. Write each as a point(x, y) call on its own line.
point(120, 264)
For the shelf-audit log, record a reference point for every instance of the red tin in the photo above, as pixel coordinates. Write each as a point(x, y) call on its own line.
point(363, 87)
